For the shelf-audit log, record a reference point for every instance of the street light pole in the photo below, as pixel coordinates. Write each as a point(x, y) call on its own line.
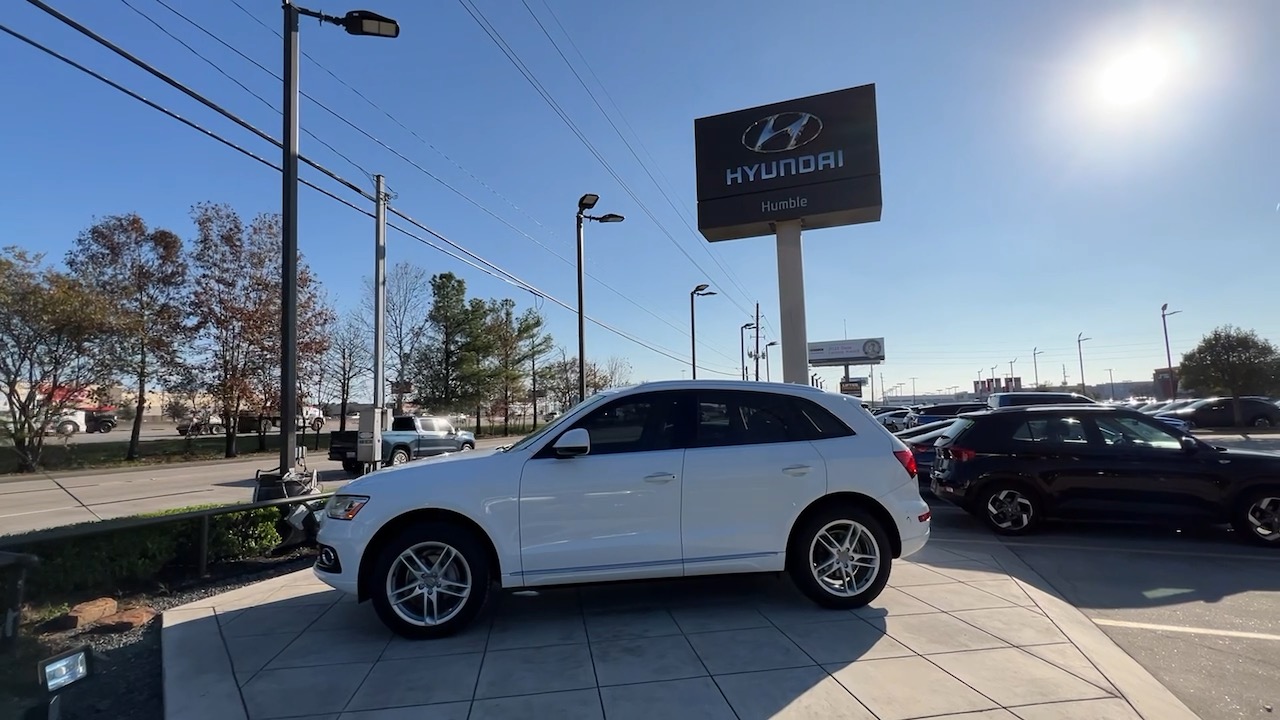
point(380, 302)
point(699, 291)
point(356, 22)
point(768, 376)
point(1036, 352)
point(585, 203)
point(913, 391)
point(289, 248)
point(1011, 362)
point(742, 344)
point(1168, 356)
point(757, 353)
point(1080, 339)
point(1111, 376)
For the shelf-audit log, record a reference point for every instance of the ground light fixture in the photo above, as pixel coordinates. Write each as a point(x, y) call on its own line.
point(56, 674)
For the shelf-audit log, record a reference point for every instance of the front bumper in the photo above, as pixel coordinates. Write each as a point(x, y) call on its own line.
point(339, 563)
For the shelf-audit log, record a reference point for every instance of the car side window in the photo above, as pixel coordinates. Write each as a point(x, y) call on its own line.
point(403, 423)
point(1051, 430)
point(815, 422)
point(746, 418)
point(443, 426)
point(1131, 432)
point(643, 423)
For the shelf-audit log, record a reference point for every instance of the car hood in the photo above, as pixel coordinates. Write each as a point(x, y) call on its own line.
point(446, 466)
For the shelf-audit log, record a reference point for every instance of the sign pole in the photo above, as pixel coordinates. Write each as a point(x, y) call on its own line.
point(795, 341)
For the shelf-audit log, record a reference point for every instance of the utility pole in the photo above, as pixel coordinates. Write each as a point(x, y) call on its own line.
point(533, 379)
point(913, 391)
point(1011, 362)
point(380, 303)
point(757, 354)
point(1064, 376)
point(1084, 389)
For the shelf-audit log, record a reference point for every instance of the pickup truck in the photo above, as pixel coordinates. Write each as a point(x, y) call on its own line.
point(410, 437)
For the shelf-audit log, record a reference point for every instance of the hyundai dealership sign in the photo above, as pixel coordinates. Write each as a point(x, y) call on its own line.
point(814, 159)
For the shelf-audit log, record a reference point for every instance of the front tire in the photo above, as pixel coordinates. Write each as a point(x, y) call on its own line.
point(840, 557)
point(1257, 517)
point(467, 447)
point(1010, 508)
point(68, 428)
point(1262, 421)
point(430, 580)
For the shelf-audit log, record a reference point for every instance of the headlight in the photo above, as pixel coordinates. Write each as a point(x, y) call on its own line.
point(345, 507)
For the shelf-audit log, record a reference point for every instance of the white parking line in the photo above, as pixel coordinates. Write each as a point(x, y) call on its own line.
point(1188, 630)
point(1109, 548)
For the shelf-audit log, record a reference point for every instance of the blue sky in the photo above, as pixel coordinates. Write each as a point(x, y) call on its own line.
point(1024, 201)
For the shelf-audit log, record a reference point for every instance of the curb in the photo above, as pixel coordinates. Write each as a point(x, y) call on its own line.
point(1148, 696)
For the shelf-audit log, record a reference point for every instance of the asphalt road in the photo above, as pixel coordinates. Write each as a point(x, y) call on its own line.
point(36, 502)
point(1196, 607)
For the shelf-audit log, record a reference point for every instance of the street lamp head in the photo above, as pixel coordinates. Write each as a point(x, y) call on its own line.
point(1164, 307)
point(610, 217)
point(363, 22)
point(771, 343)
point(701, 287)
point(588, 201)
point(748, 326)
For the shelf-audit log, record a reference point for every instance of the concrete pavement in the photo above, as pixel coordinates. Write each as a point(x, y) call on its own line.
point(1195, 606)
point(957, 634)
point(50, 500)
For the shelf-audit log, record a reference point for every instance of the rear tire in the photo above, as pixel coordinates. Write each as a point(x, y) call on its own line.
point(352, 466)
point(1262, 421)
point(433, 566)
point(840, 557)
point(1257, 517)
point(68, 428)
point(399, 456)
point(1009, 508)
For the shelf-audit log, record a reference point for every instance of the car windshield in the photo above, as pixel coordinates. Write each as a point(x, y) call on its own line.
point(533, 437)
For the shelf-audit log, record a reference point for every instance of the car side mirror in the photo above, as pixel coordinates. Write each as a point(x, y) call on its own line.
point(1189, 445)
point(573, 443)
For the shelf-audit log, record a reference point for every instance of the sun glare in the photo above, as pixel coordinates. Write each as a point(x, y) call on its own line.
point(1134, 77)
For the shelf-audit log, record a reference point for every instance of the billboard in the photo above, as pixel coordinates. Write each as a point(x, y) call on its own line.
point(815, 159)
point(864, 351)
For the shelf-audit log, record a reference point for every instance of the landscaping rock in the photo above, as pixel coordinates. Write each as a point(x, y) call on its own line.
point(126, 620)
point(88, 613)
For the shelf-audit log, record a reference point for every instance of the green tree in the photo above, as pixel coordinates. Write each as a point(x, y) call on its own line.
point(1231, 361)
point(516, 341)
point(452, 370)
point(52, 338)
point(139, 276)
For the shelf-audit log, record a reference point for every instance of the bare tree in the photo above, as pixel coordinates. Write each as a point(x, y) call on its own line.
point(615, 372)
point(52, 335)
point(408, 300)
point(349, 360)
point(139, 276)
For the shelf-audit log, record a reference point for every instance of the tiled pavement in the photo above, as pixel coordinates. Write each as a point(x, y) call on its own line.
point(955, 635)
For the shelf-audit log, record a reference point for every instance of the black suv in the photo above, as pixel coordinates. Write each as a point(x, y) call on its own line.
point(1015, 466)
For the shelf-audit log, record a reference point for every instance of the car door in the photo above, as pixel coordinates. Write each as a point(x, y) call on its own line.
point(613, 513)
point(748, 472)
point(433, 436)
point(1153, 476)
point(1056, 448)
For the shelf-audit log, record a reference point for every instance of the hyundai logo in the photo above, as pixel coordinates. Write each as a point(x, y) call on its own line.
point(782, 132)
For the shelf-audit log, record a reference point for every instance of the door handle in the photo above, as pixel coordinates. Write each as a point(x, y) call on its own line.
point(796, 470)
point(660, 477)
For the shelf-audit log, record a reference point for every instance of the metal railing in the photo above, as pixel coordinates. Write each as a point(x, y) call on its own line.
point(65, 532)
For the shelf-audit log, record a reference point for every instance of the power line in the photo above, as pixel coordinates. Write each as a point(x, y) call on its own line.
point(529, 76)
point(242, 86)
point(467, 257)
point(397, 153)
point(621, 136)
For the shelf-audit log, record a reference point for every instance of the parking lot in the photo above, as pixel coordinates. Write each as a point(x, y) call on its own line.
point(1198, 609)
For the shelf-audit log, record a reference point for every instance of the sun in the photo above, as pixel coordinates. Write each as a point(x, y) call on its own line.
point(1134, 77)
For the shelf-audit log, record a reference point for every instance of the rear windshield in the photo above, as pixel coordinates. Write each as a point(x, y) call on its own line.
point(957, 428)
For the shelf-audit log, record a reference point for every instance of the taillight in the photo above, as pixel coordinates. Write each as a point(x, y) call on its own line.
point(960, 454)
point(908, 461)
point(922, 448)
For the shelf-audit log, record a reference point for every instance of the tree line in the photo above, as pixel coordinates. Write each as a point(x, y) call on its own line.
point(138, 307)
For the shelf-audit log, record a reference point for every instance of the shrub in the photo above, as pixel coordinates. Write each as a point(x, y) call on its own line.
point(125, 558)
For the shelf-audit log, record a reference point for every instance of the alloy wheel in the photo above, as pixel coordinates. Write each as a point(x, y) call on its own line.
point(428, 584)
point(844, 558)
point(1264, 518)
point(1009, 510)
